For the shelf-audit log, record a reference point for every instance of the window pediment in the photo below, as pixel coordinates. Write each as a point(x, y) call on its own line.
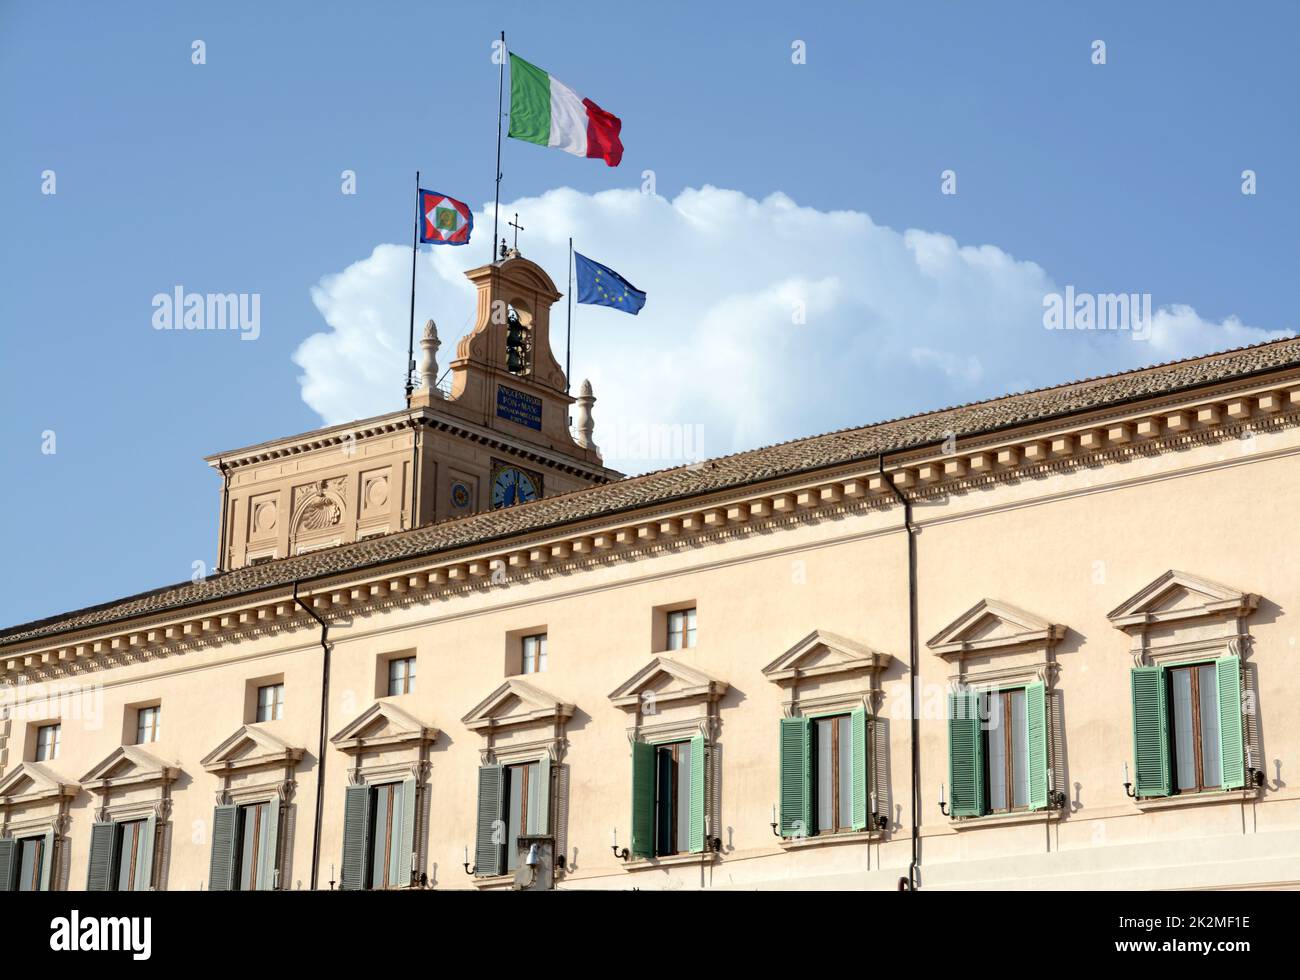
point(822, 653)
point(382, 725)
point(250, 747)
point(516, 702)
point(129, 765)
point(33, 782)
point(992, 626)
point(668, 680)
point(1177, 597)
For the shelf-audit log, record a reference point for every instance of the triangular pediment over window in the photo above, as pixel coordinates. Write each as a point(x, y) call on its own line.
point(822, 653)
point(516, 702)
point(129, 765)
point(31, 782)
point(1177, 596)
point(382, 725)
point(669, 681)
point(250, 747)
point(991, 626)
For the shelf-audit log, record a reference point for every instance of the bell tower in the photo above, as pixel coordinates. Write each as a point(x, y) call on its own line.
point(496, 436)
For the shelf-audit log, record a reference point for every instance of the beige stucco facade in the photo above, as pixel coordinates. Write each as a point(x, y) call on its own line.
point(1042, 551)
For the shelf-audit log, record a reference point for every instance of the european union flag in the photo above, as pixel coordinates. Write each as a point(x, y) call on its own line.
point(599, 285)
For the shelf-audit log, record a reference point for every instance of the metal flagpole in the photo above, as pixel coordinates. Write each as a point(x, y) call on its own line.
point(501, 88)
point(568, 333)
point(415, 245)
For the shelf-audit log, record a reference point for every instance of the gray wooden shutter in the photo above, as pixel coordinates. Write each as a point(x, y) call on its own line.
point(489, 849)
point(269, 858)
point(99, 876)
point(47, 860)
point(356, 838)
point(407, 836)
point(8, 858)
point(221, 867)
point(144, 870)
point(539, 797)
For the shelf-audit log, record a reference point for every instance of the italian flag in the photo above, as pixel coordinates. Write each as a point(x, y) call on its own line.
point(545, 111)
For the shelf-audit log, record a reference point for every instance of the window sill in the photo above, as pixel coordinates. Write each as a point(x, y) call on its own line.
point(1179, 800)
point(1005, 819)
point(672, 860)
point(820, 840)
point(494, 881)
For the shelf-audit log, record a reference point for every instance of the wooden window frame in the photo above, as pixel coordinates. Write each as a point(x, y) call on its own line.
point(154, 728)
point(1198, 750)
point(674, 748)
point(57, 728)
point(836, 799)
point(680, 623)
point(276, 705)
point(1009, 759)
point(38, 866)
point(120, 830)
point(241, 844)
point(407, 680)
point(539, 653)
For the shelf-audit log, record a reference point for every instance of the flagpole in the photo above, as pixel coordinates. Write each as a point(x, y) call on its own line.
point(501, 88)
point(415, 246)
point(568, 333)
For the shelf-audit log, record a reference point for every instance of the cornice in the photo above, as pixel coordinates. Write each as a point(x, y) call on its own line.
point(1094, 440)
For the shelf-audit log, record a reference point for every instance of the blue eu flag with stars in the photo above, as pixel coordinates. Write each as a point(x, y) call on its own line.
point(599, 285)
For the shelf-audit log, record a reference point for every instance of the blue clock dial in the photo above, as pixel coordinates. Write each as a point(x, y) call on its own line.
point(512, 486)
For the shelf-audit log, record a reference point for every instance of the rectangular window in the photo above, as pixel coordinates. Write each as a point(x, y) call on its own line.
point(1194, 705)
point(672, 797)
point(1006, 752)
point(534, 654)
point(833, 773)
point(270, 702)
point(47, 742)
point(385, 858)
point(148, 724)
point(520, 780)
point(681, 629)
point(31, 861)
point(401, 676)
point(253, 827)
point(132, 839)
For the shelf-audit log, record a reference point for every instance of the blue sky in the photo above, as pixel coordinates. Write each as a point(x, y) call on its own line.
point(225, 177)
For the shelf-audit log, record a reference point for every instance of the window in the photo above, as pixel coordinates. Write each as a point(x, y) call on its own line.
point(130, 859)
point(534, 654)
point(681, 629)
point(379, 835)
point(401, 676)
point(47, 742)
point(672, 797)
point(513, 801)
point(997, 750)
point(245, 846)
point(668, 797)
point(1187, 728)
point(31, 863)
point(270, 702)
point(825, 774)
point(1194, 695)
point(148, 724)
point(254, 835)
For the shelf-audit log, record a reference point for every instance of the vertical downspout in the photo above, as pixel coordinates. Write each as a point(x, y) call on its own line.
point(321, 747)
point(909, 883)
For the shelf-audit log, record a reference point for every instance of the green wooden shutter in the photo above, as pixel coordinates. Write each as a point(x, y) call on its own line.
point(965, 755)
point(489, 849)
point(1150, 731)
point(99, 876)
point(1036, 749)
point(643, 800)
point(47, 860)
point(699, 801)
point(1230, 734)
point(144, 870)
point(221, 868)
point(539, 796)
point(405, 863)
point(356, 838)
point(796, 777)
point(8, 860)
point(861, 767)
point(268, 861)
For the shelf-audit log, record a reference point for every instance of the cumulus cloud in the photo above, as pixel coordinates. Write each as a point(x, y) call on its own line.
point(765, 321)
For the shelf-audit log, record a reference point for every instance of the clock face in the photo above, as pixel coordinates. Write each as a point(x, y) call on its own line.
point(513, 486)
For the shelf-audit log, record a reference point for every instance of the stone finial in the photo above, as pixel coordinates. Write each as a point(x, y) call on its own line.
point(582, 418)
point(429, 345)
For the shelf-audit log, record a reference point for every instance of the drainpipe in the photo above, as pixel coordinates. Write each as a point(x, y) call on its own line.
point(321, 748)
point(909, 883)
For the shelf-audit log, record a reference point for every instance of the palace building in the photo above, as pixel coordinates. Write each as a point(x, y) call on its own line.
point(1040, 641)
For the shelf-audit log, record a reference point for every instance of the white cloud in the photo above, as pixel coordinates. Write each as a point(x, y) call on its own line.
point(765, 320)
